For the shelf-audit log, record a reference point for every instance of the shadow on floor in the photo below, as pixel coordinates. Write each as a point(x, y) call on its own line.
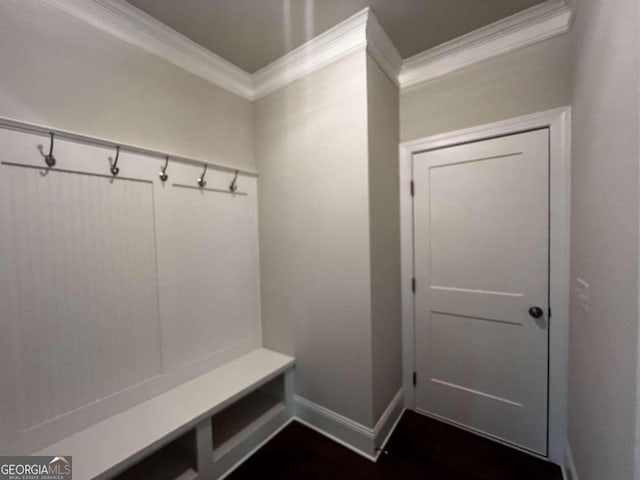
point(420, 448)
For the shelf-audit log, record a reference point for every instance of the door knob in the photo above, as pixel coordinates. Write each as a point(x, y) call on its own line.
point(536, 312)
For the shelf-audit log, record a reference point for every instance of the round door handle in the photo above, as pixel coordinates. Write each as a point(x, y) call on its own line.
point(536, 312)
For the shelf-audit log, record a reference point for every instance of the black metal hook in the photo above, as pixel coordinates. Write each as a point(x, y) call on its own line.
point(234, 184)
point(49, 159)
point(163, 173)
point(201, 181)
point(114, 168)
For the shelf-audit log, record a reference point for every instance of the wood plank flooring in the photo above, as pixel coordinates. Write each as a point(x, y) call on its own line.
point(420, 448)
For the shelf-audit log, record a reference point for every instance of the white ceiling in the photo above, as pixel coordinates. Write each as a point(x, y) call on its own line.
point(253, 33)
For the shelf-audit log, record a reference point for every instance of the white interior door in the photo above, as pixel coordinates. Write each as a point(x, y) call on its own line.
point(481, 213)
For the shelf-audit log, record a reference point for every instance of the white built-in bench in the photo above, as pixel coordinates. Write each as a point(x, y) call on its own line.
point(201, 429)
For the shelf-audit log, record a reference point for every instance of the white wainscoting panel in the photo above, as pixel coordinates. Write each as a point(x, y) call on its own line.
point(210, 278)
point(114, 289)
point(82, 296)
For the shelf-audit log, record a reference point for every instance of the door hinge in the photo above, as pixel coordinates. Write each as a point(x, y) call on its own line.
point(415, 379)
point(413, 189)
point(549, 312)
point(413, 284)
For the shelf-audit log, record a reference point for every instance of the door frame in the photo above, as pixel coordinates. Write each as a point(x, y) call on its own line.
point(558, 121)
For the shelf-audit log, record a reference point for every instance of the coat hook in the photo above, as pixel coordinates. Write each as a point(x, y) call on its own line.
point(201, 181)
point(234, 184)
point(49, 159)
point(114, 168)
point(163, 173)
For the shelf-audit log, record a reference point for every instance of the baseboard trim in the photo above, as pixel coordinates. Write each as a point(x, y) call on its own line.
point(569, 471)
point(353, 435)
point(337, 427)
point(383, 445)
point(362, 440)
point(388, 420)
point(336, 439)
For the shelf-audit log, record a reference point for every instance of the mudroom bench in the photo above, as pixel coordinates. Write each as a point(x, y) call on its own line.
point(201, 429)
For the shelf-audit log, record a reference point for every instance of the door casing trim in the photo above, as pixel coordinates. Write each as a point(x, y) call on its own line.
point(558, 121)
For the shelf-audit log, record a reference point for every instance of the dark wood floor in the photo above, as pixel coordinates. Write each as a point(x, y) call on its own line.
point(420, 448)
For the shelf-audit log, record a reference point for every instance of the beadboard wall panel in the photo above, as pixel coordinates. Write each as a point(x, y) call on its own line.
point(208, 254)
point(114, 289)
point(86, 303)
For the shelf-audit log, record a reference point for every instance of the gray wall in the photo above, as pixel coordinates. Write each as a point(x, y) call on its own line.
point(603, 352)
point(60, 72)
point(384, 219)
point(530, 80)
point(327, 149)
point(311, 146)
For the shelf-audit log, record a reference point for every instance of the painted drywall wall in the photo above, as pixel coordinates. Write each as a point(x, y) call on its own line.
point(311, 147)
point(530, 80)
point(61, 72)
point(384, 219)
point(603, 342)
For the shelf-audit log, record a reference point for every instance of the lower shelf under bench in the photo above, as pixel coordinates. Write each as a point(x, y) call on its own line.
point(243, 418)
point(176, 461)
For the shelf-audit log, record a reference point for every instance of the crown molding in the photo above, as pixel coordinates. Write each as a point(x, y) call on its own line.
point(538, 23)
point(347, 37)
point(359, 32)
point(132, 25)
point(382, 49)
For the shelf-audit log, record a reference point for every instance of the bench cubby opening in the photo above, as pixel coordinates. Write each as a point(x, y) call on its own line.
point(242, 418)
point(175, 461)
point(200, 429)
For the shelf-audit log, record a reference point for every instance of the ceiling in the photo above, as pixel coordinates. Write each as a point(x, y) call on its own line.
point(253, 33)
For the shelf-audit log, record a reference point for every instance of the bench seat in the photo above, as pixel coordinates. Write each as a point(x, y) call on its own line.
point(108, 447)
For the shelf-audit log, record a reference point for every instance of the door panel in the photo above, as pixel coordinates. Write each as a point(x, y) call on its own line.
point(481, 213)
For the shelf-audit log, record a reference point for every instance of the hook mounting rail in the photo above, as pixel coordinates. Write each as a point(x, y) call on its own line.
point(26, 127)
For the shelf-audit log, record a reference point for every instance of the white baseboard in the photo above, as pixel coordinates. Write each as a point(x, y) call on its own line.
point(388, 420)
point(360, 439)
point(351, 446)
point(341, 429)
point(353, 435)
point(569, 471)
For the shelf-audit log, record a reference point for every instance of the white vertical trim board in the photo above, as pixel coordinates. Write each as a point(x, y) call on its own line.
point(407, 274)
point(363, 440)
point(558, 121)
